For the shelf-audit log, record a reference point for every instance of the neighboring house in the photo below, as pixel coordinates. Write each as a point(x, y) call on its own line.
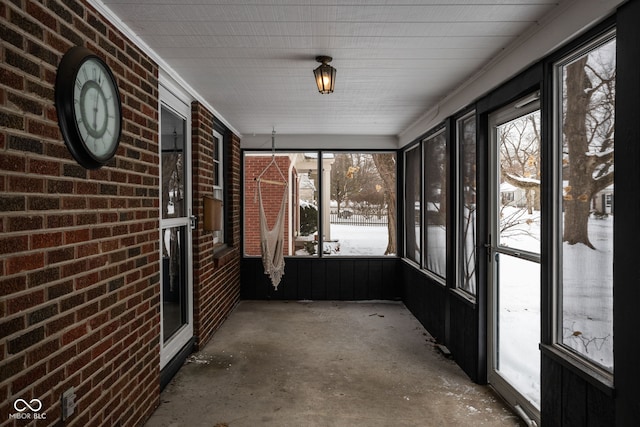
point(512, 195)
point(602, 202)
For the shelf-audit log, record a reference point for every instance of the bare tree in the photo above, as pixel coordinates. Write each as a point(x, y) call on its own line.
point(519, 157)
point(370, 181)
point(386, 165)
point(342, 179)
point(588, 141)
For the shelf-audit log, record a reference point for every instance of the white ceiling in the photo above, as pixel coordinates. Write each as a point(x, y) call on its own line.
point(253, 60)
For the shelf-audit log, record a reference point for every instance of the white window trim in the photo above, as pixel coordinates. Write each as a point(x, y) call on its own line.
point(579, 361)
point(219, 189)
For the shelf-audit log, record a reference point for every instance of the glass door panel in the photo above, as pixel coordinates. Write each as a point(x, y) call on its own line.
point(514, 282)
point(176, 310)
point(518, 324)
point(173, 170)
point(519, 174)
point(174, 281)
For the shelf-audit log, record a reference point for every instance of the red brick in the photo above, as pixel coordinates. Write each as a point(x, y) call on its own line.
point(28, 378)
point(59, 324)
point(74, 268)
point(101, 348)
point(88, 249)
point(87, 187)
point(71, 302)
point(94, 366)
point(12, 163)
point(41, 129)
point(25, 223)
point(77, 236)
point(85, 281)
point(42, 15)
point(10, 245)
point(48, 383)
point(11, 326)
point(44, 167)
point(78, 363)
point(88, 342)
point(42, 352)
point(25, 302)
point(74, 334)
point(73, 203)
point(60, 255)
point(26, 185)
point(46, 240)
point(55, 221)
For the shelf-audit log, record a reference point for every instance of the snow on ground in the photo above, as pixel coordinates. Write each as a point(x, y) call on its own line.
point(588, 294)
point(360, 240)
point(518, 359)
point(587, 310)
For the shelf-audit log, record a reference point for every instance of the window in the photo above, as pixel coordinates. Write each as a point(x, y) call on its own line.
point(517, 140)
point(362, 205)
point(218, 179)
point(335, 203)
point(413, 203)
point(279, 185)
point(585, 92)
point(466, 134)
point(435, 203)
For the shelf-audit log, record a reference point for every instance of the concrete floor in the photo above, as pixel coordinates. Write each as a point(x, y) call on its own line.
point(325, 364)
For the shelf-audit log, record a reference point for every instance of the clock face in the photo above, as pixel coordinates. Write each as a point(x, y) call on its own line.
point(95, 109)
point(88, 106)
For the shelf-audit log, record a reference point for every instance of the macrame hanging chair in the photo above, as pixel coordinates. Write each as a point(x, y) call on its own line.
point(272, 240)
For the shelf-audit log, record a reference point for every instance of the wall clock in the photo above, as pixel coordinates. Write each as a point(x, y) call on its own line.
point(88, 105)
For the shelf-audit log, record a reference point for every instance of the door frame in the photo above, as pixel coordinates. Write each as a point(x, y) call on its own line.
point(172, 99)
point(521, 107)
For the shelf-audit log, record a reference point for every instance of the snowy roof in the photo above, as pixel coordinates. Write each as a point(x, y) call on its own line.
point(306, 183)
point(315, 155)
point(505, 187)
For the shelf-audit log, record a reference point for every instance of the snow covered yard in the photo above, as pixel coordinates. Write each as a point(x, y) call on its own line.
point(586, 304)
point(360, 240)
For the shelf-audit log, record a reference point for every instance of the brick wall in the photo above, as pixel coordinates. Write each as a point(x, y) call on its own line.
point(216, 283)
point(79, 267)
point(271, 199)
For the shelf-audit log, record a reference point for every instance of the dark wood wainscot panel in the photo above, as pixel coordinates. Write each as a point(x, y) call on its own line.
point(346, 279)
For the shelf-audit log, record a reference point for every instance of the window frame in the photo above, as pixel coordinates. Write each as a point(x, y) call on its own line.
point(218, 185)
point(326, 222)
point(440, 130)
point(561, 350)
point(460, 203)
point(323, 203)
point(419, 239)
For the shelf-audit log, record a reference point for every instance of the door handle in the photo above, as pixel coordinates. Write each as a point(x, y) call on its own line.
point(193, 220)
point(487, 246)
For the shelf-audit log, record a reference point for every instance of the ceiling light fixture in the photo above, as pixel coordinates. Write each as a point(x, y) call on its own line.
point(325, 75)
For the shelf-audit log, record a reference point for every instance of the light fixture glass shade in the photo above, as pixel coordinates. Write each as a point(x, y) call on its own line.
point(325, 75)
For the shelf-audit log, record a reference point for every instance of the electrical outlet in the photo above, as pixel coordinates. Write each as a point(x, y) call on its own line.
point(68, 403)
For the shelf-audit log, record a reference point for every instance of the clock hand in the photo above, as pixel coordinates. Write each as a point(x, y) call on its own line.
point(95, 112)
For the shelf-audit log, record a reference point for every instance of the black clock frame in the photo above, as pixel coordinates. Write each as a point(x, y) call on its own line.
point(65, 80)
